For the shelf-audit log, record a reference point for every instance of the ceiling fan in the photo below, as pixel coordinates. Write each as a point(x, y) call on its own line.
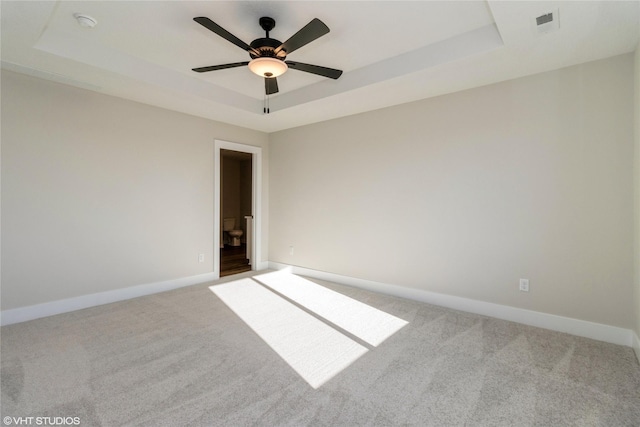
point(268, 55)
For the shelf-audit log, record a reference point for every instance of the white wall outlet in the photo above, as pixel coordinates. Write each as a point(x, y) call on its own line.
point(290, 250)
point(201, 258)
point(524, 285)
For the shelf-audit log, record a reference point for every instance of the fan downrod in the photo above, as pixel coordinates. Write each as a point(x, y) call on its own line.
point(267, 24)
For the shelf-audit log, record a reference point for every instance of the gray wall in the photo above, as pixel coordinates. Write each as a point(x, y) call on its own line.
point(100, 193)
point(461, 194)
point(466, 193)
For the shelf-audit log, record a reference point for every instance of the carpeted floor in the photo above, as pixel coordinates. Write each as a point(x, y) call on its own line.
point(184, 358)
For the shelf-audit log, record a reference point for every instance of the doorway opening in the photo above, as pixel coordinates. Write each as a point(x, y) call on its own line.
point(237, 199)
point(235, 211)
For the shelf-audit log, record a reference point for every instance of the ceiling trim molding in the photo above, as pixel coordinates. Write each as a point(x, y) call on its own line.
point(471, 43)
point(84, 51)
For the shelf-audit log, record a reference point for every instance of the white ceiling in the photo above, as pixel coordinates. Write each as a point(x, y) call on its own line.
point(391, 52)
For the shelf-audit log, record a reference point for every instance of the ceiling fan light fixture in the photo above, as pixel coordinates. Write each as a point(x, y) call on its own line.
point(268, 67)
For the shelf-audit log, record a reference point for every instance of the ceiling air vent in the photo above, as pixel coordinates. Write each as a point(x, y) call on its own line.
point(544, 19)
point(548, 22)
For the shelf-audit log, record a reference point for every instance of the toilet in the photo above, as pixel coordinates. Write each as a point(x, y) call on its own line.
point(228, 227)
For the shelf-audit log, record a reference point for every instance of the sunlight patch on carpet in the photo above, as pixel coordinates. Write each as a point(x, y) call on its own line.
point(316, 351)
point(371, 325)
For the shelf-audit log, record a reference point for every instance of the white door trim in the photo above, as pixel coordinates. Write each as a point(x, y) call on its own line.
point(256, 200)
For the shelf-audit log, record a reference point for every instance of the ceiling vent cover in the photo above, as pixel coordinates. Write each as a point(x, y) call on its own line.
point(540, 20)
point(548, 22)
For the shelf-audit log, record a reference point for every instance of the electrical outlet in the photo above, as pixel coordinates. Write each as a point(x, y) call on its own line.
point(201, 258)
point(290, 250)
point(524, 285)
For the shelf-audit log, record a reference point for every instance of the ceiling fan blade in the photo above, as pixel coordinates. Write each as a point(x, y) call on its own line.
point(331, 73)
point(313, 30)
point(270, 85)
point(209, 24)
point(219, 67)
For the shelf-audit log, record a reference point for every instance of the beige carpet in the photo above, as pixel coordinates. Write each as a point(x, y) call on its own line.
point(185, 358)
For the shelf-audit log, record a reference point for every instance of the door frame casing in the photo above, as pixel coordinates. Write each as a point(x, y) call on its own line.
point(256, 200)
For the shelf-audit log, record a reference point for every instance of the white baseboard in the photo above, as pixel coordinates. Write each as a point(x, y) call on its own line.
point(597, 331)
point(262, 265)
point(583, 328)
point(32, 312)
point(636, 346)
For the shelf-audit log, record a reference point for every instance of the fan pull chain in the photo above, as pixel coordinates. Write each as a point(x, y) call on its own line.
point(266, 105)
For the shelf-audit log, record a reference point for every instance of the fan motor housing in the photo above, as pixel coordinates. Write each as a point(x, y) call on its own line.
point(267, 47)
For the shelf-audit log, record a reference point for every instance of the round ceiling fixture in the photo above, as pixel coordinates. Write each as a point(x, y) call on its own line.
point(268, 67)
point(85, 20)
